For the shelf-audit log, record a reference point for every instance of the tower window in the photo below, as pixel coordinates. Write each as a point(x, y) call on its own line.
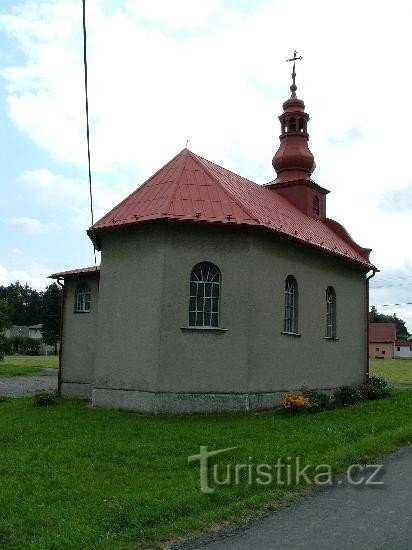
point(302, 125)
point(292, 124)
point(316, 204)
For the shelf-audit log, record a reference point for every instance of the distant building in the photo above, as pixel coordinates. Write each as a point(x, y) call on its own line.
point(403, 349)
point(16, 330)
point(382, 337)
point(34, 332)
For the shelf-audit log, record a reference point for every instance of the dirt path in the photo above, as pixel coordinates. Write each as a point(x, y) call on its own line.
point(22, 386)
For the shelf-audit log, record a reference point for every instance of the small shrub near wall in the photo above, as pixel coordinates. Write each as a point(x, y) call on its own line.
point(347, 395)
point(318, 401)
point(295, 402)
point(45, 399)
point(376, 388)
point(308, 400)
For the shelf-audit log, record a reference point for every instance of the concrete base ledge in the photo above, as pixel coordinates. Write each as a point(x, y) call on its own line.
point(183, 403)
point(76, 390)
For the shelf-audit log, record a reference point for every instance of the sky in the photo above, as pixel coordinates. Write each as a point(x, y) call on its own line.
point(214, 72)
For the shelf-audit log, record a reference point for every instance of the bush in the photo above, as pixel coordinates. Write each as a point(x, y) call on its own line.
point(3, 346)
point(379, 385)
point(44, 399)
point(23, 345)
point(347, 395)
point(8, 346)
point(31, 346)
point(15, 343)
point(318, 401)
point(295, 402)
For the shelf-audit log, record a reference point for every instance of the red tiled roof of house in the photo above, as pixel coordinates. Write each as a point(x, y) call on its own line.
point(194, 189)
point(407, 343)
point(74, 272)
point(382, 332)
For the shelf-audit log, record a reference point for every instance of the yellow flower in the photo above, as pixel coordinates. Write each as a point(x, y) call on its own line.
point(295, 401)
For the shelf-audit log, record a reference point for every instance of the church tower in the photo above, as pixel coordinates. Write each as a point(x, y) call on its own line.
point(294, 161)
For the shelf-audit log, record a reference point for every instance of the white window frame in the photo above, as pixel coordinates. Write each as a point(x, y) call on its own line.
point(290, 314)
point(330, 300)
point(83, 298)
point(204, 301)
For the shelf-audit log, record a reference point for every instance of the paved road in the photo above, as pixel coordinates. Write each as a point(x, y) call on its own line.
point(339, 518)
point(22, 386)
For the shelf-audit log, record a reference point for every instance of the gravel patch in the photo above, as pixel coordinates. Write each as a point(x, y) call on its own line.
point(23, 386)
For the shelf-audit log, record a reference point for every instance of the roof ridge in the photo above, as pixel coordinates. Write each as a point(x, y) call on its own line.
point(137, 189)
point(198, 160)
point(168, 203)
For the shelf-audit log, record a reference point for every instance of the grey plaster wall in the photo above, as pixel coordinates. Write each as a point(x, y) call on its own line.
point(146, 357)
point(79, 339)
point(128, 329)
point(281, 361)
point(253, 355)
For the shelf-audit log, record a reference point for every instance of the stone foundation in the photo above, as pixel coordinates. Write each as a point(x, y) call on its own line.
point(80, 390)
point(183, 403)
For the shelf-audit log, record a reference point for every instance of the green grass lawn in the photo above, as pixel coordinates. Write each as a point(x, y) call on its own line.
point(395, 371)
point(27, 365)
point(77, 477)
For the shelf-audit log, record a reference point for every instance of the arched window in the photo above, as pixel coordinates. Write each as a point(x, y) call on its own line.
point(302, 125)
point(292, 124)
point(316, 204)
point(83, 298)
point(330, 312)
point(204, 295)
point(290, 323)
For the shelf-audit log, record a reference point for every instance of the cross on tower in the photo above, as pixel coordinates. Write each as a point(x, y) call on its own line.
point(294, 59)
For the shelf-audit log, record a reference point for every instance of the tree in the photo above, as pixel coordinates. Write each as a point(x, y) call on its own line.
point(401, 330)
point(24, 301)
point(5, 322)
point(50, 315)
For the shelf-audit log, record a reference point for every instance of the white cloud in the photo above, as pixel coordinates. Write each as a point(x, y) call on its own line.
point(71, 194)
point(31, 226)
point(33, 273)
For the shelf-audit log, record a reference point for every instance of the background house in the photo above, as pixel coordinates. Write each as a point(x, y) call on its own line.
point(35, 333)
point(403, 349)
point(17, 330)
point(382, 337)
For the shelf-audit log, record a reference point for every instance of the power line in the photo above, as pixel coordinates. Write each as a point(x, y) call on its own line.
point(87, 118)
point(392, 305)
point(392, 278)
point(390, 286)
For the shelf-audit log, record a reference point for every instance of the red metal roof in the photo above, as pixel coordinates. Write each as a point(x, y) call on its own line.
point(382, 332)
point(192, 188)
point(74, 272)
